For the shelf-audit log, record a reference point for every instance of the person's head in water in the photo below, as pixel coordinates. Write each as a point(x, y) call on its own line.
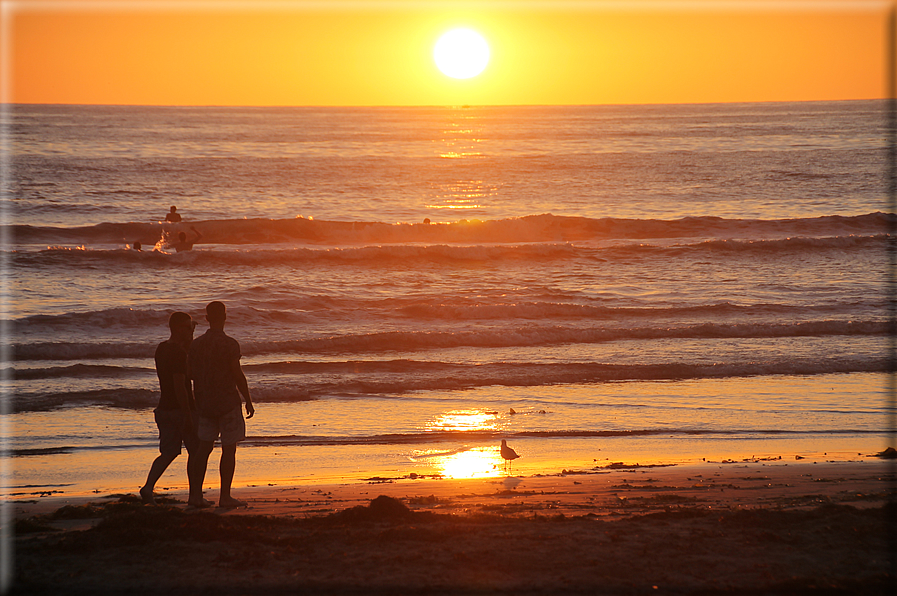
point(173, 209)
point(181, 325)
point(137, 245)
point(216, 314)
point(182, 236)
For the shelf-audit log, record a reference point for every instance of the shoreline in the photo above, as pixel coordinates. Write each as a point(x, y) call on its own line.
point(607, 492)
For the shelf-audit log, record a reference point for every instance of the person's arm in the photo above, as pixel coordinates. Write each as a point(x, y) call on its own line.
point(242, 386)
point(198, 235)
point(180, 392)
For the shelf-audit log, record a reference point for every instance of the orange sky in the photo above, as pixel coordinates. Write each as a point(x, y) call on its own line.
point(380, 53)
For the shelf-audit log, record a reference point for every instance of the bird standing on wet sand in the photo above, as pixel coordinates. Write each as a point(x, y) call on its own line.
point(507, 453)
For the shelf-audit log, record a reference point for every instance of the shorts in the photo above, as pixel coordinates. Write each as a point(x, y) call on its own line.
point(231, 427)
point(174, 432)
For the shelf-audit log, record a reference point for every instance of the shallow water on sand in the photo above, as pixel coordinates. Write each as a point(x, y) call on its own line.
point(456, 435)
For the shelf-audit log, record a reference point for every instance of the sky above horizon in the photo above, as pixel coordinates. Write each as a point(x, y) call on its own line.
point(373, 53)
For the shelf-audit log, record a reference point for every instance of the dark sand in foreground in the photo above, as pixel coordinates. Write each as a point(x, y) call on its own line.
point(738, 528)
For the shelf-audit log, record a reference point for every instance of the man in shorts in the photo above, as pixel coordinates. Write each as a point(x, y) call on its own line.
point(218, 383)
point(176, 412)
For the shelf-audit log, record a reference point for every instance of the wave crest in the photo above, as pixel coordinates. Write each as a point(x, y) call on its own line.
point(526, 229)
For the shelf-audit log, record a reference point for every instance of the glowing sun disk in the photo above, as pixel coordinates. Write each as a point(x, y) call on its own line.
point(461, 53)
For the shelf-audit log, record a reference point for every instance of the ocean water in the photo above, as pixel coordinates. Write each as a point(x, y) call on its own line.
point(411, 285)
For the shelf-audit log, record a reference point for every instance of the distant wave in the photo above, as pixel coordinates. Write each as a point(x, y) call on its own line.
point(530, 228)
point(540, 310)
point(389, 255)
point(91, 371)
point(124, 318)
point(796, 244)
point(373, 378)
point(116, 398)
point(108, 318)
point(559, 306)
point(532, 335)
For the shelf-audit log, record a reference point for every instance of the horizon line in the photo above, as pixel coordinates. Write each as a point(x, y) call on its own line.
point(4, 105)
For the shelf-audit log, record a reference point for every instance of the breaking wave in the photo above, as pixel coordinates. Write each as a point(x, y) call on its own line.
point(398, 377)
point(545, 228)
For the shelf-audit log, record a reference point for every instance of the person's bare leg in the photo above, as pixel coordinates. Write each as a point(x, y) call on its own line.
point(195, 476)
point(196, 472)
point(226, 467)
point(160, 464)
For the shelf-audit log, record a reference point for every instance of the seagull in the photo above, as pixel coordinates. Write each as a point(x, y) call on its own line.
point(507, 453)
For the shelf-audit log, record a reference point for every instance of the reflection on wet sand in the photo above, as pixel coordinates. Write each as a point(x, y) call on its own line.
point(480, 462)
point(463, 462)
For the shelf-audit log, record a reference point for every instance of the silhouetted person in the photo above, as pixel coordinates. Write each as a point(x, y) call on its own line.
point(137, 246)
point(173, 216)
point(218, 383)
point(183, 244)
point(176, 413)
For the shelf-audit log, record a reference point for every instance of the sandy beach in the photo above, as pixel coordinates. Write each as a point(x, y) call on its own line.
point(746, 527)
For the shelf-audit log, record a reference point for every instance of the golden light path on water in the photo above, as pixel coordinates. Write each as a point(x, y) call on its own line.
point(476, 462)
point(462, 141)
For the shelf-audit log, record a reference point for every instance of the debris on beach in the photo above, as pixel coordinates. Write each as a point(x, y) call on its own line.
point(32, 525)
point(621, 466)
point(382, 508)
point(889, 453)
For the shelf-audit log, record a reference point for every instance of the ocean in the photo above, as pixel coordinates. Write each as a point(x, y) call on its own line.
point(595, 284)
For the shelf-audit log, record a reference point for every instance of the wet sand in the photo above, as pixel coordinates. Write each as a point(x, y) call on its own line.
point(776, 527)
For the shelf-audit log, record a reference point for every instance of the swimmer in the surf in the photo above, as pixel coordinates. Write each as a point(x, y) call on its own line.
point(183, 244)
point(137, 246)
point(173, 216)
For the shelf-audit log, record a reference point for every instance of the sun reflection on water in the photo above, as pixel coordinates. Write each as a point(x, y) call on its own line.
point(474, 462)
point(465, 421)
point(479, 462)
point(461, 194)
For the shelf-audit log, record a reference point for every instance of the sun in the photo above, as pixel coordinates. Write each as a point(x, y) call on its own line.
point(461, 53)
